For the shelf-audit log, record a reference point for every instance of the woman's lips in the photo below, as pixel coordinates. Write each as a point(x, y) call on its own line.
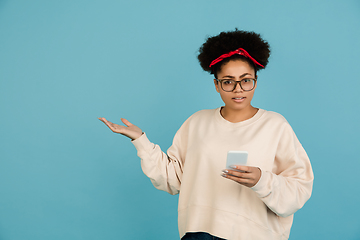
point(238, 99)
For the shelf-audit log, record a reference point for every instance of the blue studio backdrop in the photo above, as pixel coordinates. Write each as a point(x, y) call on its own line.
point(63, 64)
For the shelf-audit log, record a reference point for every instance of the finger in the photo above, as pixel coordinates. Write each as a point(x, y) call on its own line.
point(237, 174)
point(243, 181)
point(242, 168)
point(109, 124)
point(103, 120)
point(126, 122)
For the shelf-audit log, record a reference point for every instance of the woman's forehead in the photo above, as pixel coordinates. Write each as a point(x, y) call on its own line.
point(236, 68)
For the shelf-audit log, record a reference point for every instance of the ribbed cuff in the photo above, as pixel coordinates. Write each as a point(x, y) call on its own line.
point(142, 143)
point(261, 187)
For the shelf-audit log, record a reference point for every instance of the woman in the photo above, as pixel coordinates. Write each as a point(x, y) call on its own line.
point(256, 201)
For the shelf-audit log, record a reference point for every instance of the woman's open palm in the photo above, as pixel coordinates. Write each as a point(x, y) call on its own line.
point(130, 130)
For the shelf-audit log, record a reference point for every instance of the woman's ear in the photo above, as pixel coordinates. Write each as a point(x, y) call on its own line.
point(216, 85)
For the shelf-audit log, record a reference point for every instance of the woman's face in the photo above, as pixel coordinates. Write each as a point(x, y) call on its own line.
point(238, 99)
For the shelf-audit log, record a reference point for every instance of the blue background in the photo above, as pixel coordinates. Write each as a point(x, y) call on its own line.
point(64, 175)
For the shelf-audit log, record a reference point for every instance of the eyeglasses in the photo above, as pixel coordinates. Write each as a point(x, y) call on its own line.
point(229, 85)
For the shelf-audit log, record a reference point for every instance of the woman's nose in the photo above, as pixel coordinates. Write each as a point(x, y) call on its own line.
point(237, 87)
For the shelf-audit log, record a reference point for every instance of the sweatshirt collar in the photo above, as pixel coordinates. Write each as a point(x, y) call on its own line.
point(247, 122)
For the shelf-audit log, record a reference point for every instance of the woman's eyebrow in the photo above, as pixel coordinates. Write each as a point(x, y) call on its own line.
point(244, 75)
point(228, 76)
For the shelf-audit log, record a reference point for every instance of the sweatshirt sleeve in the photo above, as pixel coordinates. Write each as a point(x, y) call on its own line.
point(288, 186)
point(164, 169)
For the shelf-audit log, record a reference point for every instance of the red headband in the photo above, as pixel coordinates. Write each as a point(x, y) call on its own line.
point(239, 51)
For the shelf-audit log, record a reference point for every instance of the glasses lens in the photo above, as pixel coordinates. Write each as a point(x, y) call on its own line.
point(228, 85)
point(247, 84)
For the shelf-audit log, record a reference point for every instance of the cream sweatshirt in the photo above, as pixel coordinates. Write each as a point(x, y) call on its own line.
point(211, 203)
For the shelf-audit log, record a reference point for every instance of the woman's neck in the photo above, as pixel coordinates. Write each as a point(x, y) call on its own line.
point(235, 116)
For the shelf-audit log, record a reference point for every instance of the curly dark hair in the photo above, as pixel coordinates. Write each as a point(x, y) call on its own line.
point(229, 41)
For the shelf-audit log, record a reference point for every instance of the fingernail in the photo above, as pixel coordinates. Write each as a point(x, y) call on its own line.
point(226, 171)
point(232, 166)
point(223, 175)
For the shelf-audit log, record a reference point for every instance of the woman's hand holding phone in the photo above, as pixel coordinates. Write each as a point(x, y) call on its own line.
point(237, 170)
point(130, 130)
point(245, 175)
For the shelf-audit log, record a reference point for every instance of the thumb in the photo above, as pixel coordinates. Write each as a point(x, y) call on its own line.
point(126, 122)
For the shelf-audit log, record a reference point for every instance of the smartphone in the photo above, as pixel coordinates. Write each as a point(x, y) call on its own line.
point(236, 158)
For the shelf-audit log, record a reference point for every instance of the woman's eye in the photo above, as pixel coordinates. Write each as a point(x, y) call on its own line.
point(227, 82)
point(246, 80)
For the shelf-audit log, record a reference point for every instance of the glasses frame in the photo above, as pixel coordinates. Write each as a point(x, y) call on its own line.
point(236, 83)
